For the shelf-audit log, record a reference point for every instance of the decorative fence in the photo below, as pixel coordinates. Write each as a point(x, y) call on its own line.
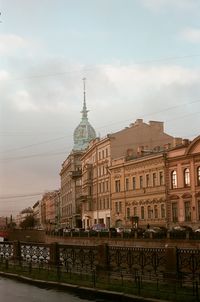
point(159, 262)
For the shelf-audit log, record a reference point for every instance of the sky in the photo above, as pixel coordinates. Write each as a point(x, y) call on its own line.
point(141, 59)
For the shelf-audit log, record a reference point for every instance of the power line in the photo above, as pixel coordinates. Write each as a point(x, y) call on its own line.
point(33, 155)
point(104, 126)
point(93, 68)
point(36, 144)
point(21, 195)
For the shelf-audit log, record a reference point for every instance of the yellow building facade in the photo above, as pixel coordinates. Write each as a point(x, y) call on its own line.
point(138, 191)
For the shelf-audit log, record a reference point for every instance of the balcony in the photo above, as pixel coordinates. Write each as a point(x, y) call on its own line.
point(84, 198)
point(76, 174)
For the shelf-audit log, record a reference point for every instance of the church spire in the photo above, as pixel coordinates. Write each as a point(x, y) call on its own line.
point(84, 111)
point(84, 132)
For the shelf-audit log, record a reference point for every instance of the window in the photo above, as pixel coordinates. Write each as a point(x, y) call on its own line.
point(198, 176)
point(187, 211)
point(147, 180)
point(102, 153)
point(90, 190)
point(134, 183)
point(135, 211)
point(106, 185)
point(149, 211)
point(154, 179)
point(120, 206)
point(187, 177)
point(156, 211)
point(174, 212)
point(162, 211)
point(127, 184)
point(117, 185)
point(142, 212)
point(116, 207)
point(174, 179)
point(106, 152)
point(161, 178)
point(104, 203)
point(99, 155)
point(198, 209)
point(128, 213)
point(108, 203)
point(141, 182)
point(99, 187)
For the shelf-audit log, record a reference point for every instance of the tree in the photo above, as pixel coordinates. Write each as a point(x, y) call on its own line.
point(28, 223)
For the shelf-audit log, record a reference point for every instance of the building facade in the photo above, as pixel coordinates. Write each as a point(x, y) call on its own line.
point(184, 184)
point(49, 210)
point(138, 191)
point(37, 213)
point(96, 194)
point(71, 181)
point(133, 141)
point(71, 190)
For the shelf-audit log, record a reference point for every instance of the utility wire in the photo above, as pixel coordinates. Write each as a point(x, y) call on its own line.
point(108, 67)
point(21, 195)
point(104, 126)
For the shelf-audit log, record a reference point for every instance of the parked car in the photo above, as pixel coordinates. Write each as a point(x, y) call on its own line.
point(98, 227)
point(113, 232)
point(180, 231)
point(155, 232)
point(119, 230)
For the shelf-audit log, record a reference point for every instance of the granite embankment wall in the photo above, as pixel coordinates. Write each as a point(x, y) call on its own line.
point(40, 237)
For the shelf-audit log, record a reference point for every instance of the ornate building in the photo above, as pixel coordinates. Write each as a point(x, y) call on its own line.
point(130, 142)
point(183, 184)
point(138, 191)
point(71, 181)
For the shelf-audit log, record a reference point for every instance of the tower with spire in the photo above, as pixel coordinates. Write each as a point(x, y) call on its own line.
point(84, 132)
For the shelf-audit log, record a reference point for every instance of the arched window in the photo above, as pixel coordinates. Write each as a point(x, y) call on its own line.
point(198, 176)
point(174, 179)
point(187, 177)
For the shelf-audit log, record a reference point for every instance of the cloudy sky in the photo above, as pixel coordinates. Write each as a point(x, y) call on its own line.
point(141, 59)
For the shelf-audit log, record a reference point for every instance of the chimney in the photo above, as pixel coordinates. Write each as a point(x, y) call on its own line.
point(177, 141)
point(157, 125)
point(185, 142)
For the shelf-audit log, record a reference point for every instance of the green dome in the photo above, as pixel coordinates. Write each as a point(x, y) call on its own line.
point(84, 132)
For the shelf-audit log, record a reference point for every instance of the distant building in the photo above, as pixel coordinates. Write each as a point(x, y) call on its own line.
point(3, 222)
point(49, 209)
point(37, 213)
point(183, 204)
